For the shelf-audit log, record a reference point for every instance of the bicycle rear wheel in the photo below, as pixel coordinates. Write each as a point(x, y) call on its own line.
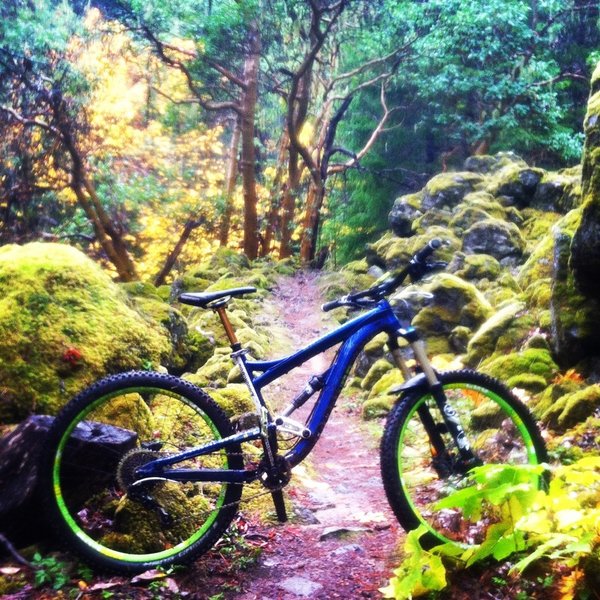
point(498, 427)
point(88, 476)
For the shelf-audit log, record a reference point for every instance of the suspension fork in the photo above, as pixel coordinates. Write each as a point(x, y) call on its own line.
point(451, 420)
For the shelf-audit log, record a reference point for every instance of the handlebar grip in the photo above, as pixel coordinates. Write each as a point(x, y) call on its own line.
point(330, 305)
point(427, 250)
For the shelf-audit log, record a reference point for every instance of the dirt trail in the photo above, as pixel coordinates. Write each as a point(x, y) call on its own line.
point(341, 540)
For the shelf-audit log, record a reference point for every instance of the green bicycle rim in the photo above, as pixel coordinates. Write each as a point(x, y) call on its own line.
point(86, 539)
point(510, 412)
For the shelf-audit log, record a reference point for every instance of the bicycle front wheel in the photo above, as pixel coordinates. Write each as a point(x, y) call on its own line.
point(96, 502)
point(499, 429)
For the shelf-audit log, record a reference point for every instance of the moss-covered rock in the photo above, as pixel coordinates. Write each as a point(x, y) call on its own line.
point(495, 237)
point(234, 399)
point(573, 408)
point(405, 211)
point(585, 253)
point(575, 316)
point(214, 373)
point(64, 324)
point(532, 361)
point(375, 373)
point(479, 266)
point(558, 191)
point(448, 189)
point(394, 253)
point(516, 184)
point(484, 341)
point(455, 302)
point(487, 164)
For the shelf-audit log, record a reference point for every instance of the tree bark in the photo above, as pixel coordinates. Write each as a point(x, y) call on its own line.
point(174, 254)
point(248, 159)
point(310, 225)
point(232, 169)
point(108, 237)
point(275, 197)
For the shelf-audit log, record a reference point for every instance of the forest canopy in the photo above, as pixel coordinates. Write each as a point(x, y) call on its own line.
point(150, 133)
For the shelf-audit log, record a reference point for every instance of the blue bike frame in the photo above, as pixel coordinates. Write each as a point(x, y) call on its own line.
point(353, 335)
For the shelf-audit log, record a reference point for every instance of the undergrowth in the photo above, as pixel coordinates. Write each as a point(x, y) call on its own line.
point(560, 525)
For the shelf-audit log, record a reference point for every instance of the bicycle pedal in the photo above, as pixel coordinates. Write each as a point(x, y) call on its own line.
point(294, 427)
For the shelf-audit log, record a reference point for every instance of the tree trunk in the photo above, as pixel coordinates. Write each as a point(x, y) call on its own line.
point(310, 225)
point(248, 160)
point(108, 237)
point(232, 169)
point(174, 254)
point(275, 197)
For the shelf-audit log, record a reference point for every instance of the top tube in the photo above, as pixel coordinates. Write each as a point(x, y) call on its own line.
point(382, 316)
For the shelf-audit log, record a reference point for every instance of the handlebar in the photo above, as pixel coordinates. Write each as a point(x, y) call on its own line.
point(416, 268)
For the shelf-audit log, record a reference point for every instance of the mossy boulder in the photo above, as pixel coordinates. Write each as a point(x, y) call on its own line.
point(558, 191)
point(64, 324)
point(495, 237)
point(394, 253)
point(485, 340)
point(573, 408)
point(375, 373)
point(448, 189)
point(585, 253)
point(454, 302)
point(234, 399)
point(405, 211)
point(214, 373)
point(189, 348)
point(575, 315)
point(478, 266)
point(380, 401)
point(511, 367)
point(515, 184)
point(487, 164)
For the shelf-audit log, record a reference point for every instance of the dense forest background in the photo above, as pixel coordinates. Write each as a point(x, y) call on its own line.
point(150, 133)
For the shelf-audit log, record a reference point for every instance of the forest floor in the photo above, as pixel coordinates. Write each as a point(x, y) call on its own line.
point(341, 538)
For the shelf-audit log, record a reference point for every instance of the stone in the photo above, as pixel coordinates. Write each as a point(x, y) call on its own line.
point(20, 452)
point(495, 237)
point(405, 211)
point(300, 586)
point(64, 324)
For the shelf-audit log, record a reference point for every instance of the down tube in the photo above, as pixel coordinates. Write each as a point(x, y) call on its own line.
point(335, 381)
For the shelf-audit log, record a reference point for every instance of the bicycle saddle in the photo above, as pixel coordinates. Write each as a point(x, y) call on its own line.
point(203, 299)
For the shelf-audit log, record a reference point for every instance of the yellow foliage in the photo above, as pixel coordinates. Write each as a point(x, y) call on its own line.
point(133, 98)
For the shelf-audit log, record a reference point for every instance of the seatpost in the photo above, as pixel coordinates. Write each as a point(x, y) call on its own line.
point(219, 308)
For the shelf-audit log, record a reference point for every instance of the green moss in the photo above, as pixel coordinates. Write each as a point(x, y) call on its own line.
point(553, 393)
point(466, 217)
point(150, 534)
point(234, 399)
point(448, 189)
point(378, 369)
point(573, 408)
point(455, 302)
point(534, 361)
point(391, 378)
point(528, 381)
point(63, 325)
point(483, 343)
point(538, 224)
point(213, 373)
point(377, 407)
point(479, 266)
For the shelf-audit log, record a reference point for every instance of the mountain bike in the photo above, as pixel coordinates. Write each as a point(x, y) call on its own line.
point(144, 469)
